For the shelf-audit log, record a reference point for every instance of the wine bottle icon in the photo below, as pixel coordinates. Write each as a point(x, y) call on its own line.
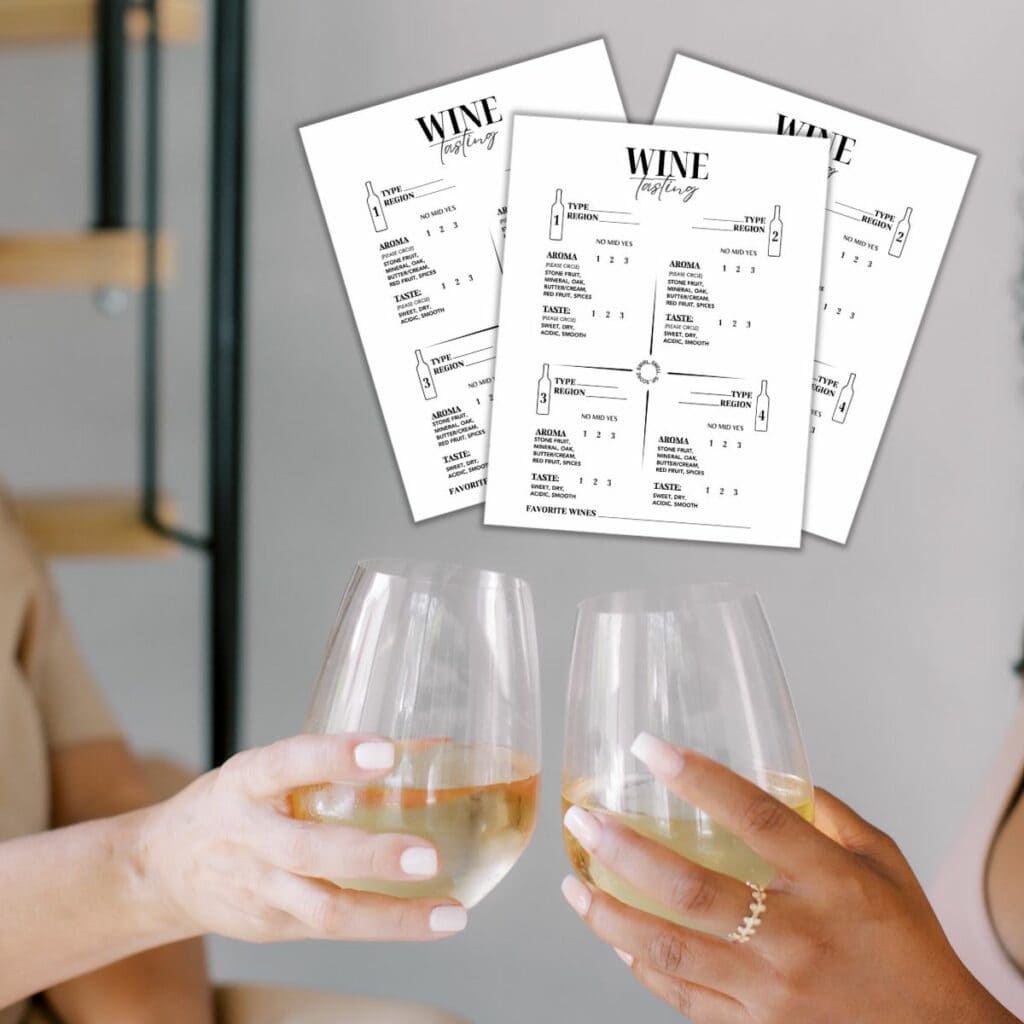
point(844, 400)
point(376, 208)
point(899, 236)
point(775, 233)
point(556, 221)
point(761, 408)
point(426, 376)
point(544, 392)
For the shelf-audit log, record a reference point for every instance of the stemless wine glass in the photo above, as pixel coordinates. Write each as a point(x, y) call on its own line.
point(696, 666)
point(443, 661)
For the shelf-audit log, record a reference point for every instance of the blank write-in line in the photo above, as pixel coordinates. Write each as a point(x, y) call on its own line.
point(424, 195)
point(422, 184)
point(489, 359)
point(867, 213)
point(839, 213)
point(475, 352)
point(678, 522)
point(700, 227)
point(710, 376)
point(613, 369)
point(459, 337)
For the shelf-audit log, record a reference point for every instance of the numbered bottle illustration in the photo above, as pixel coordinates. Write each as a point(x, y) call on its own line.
point(544, 392)
point(844, 400)
point(775, 233)
point(761, 408)
point(376, 208)
point(899, 236)
point(556, 222)
point(426, 376)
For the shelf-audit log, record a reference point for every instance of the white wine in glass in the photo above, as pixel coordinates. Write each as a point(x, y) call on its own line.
point(443, 661)
point(697, 666)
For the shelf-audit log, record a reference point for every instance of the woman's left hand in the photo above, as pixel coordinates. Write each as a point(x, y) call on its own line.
point(846, 933)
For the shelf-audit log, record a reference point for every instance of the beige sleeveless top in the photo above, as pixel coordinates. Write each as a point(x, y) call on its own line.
point(48, 698)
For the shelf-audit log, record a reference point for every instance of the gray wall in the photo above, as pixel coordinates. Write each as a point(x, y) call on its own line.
point(897, 646)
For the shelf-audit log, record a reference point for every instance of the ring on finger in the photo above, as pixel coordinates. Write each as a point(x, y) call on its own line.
point(748, 928)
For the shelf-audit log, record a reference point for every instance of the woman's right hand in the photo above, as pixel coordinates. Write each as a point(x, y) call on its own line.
point(226, 857)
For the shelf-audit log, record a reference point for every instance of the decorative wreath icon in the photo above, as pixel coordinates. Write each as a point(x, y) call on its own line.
point(648, 371)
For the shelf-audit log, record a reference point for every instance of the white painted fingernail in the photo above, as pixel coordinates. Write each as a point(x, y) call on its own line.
point(576, 894)
point(585, 827)
point(662, 758)
point(419, 861)
point(374, 755)
point(623, 956)
point(448, 919)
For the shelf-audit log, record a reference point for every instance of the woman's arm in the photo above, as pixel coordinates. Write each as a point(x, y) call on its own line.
point(843, 934)
point(223, 856)
point(166, 985)
point(76, 899)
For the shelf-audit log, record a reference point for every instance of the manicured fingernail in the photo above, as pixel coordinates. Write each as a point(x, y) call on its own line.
point(420, 861)
point(576, 894)
point(448, 919)
point(374, 755)
point(585, 827)
point(623, 956)
point(662, 758)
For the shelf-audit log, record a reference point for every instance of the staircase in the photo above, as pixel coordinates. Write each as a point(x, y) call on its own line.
point(115, 255)
point(42, 22)
point(112, 255)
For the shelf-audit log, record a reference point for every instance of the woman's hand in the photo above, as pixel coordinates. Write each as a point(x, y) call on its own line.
point(846, 934)
point(226, 857)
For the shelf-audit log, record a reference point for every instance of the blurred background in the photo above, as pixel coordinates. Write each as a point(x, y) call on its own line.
point(897, 646)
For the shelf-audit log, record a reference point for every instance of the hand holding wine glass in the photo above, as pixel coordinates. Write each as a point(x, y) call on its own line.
point(224, 855)
point(443, 662)
point(688, 810)
point(844, 934)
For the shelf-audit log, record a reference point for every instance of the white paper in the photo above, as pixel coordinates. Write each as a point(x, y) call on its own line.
point(413, 192)
point(644, 311)
point(879, 266)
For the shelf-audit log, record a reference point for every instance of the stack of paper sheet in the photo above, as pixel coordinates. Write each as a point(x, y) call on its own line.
point(679, 312)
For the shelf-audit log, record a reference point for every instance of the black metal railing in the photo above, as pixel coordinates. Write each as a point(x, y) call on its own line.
point(222, 541)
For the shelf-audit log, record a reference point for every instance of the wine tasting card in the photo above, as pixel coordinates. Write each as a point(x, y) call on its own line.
point(658, 320)
point(893, 199)
point(413, 192)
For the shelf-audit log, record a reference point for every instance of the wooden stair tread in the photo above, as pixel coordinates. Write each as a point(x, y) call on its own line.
point(32, 22)
point(86, 259)
point(102, 524)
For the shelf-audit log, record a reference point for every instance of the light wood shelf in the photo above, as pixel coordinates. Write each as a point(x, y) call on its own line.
point(36, 22)
point(94, 525)
point(87, 259)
